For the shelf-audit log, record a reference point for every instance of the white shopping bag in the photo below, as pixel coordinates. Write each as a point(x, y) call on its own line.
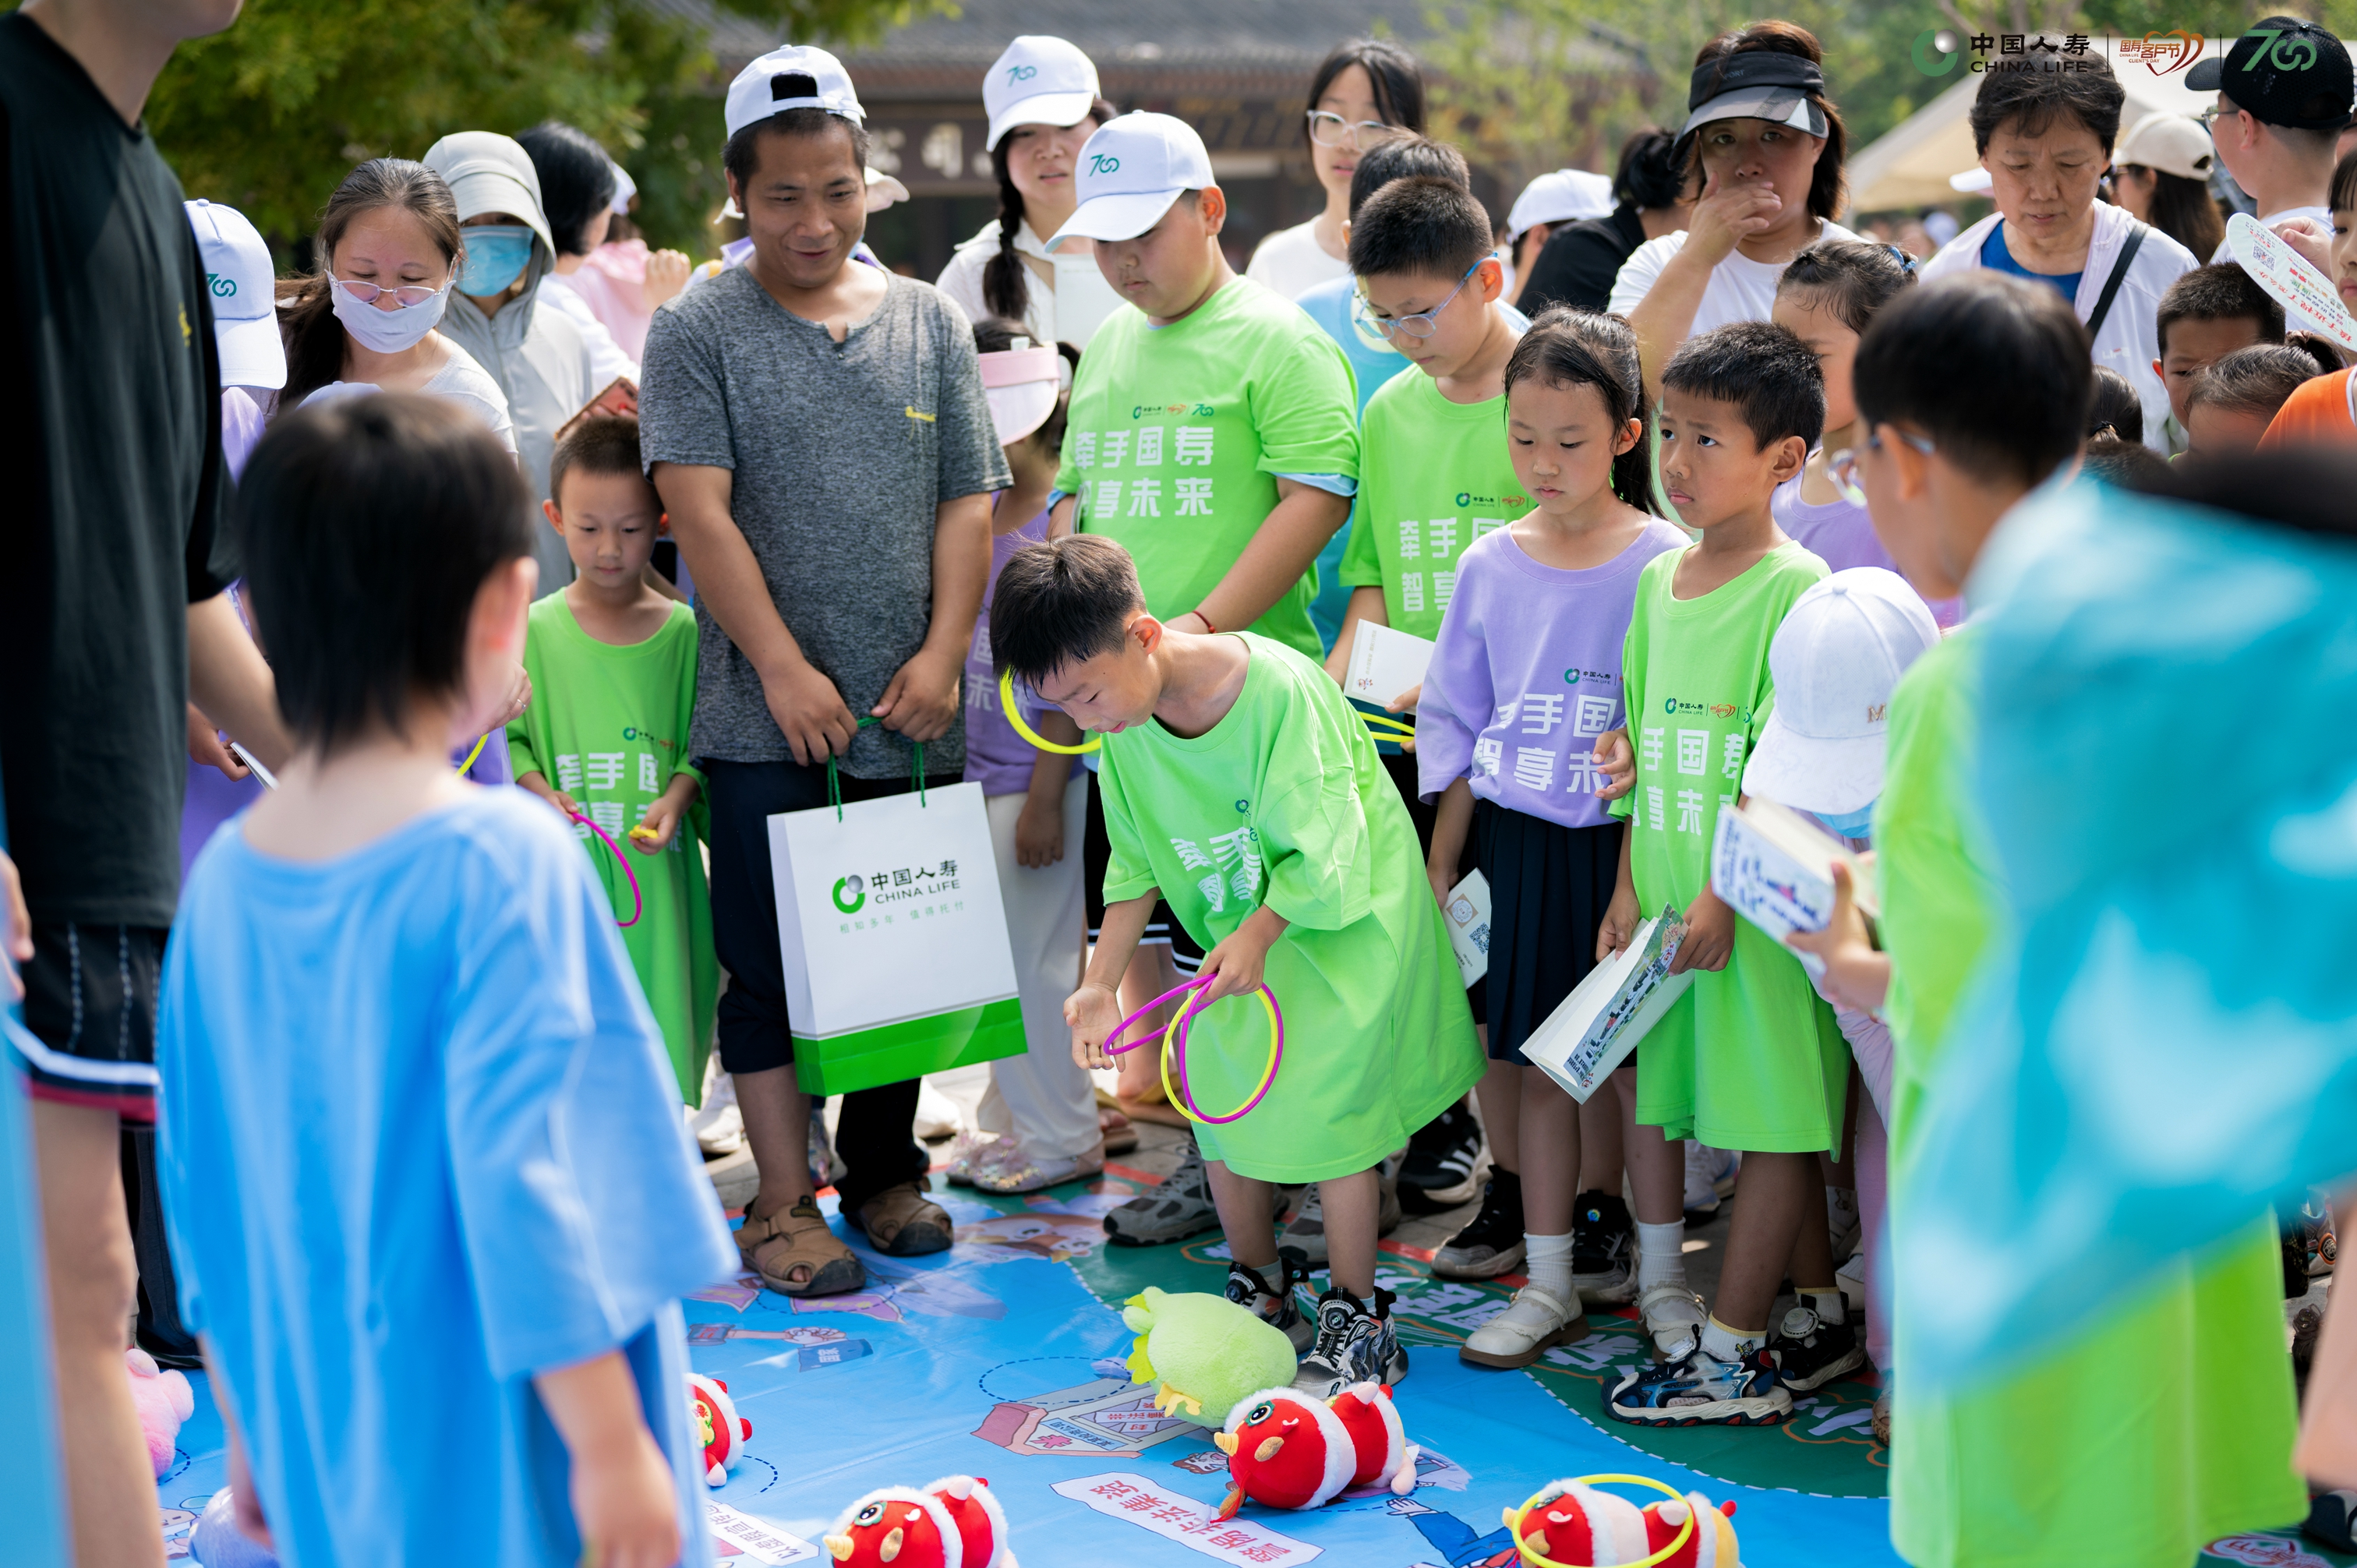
point(894, 939)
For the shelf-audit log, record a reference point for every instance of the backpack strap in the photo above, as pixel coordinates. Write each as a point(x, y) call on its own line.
point(2135, 241)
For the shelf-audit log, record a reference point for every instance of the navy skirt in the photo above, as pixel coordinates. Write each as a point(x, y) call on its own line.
point(1549, 886)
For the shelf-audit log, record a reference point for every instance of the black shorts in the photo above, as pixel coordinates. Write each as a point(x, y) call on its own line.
point(1163, 930)
point(89, 1003)
point(1549, 886)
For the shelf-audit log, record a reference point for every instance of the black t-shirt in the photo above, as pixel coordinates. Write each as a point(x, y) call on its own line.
point(1578, 263)
point(114, 527)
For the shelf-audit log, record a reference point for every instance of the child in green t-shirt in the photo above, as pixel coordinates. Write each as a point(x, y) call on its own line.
point(1240, 786)
point(612, 662)
point(1213, 433)
point(1751, 1058)
point(2178, 1411)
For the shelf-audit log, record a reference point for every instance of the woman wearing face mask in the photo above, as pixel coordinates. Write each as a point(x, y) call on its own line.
point(389, 249)
point(1762, 148)
point(539, 357)
point(1041, 95)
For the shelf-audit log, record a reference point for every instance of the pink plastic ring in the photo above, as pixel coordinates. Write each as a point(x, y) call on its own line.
point(638, 903)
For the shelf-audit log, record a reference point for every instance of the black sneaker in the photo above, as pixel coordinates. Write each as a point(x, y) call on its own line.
point(1356, 1344)
point(1493, 1244)
point(1247, 1287)
point(1443, 1163)
point(1181, 1206)
point(1603, 1249)
point(1809, 1352)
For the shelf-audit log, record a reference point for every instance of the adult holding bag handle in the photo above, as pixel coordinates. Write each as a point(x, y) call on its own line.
point(2045, 135)
point(819, 435)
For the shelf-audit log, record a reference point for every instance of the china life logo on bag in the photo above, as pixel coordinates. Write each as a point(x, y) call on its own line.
point(897, 896)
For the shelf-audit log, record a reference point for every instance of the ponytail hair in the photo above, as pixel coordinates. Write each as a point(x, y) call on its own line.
point(1566, 347)
point(1004, 288)
point(1853, 278)
point(307, 316)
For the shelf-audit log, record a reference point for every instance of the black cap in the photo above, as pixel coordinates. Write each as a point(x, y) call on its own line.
point(2284, 71)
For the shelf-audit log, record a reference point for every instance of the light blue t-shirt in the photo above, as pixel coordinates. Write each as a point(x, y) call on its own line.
point(1998, 257)
point(1372, 363)
point(419, 1140)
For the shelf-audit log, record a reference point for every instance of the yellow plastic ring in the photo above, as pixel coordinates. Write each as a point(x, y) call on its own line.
point(1386, 721)
point(1185, 1101)
point(1677, 1542)
point(1007, 705)
point(476, 753)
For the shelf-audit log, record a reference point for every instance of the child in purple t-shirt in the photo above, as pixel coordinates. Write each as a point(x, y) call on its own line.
point(1524, 678)
point(1826, 296)
point(1039, 1118)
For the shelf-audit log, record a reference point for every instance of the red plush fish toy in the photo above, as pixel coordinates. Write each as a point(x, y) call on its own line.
point(1289, 1450)
point(1573, 1525)
point(721, 1429)
point(954, 1523)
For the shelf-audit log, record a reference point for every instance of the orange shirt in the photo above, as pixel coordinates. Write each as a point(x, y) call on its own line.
point(2317, 415)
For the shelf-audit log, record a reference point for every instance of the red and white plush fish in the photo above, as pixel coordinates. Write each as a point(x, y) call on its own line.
point(1285, 1450)
point(954, 1523)
point(1574, 1524)
point(981, 1522)
point(1383, 1457)
point(898, 1527)
point(721, 1429)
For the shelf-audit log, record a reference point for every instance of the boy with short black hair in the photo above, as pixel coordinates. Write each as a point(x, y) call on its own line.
point(1240, 785)
point(2206, 314)
point(612, 662)
point(482, 1174)
point(2235, 400)
point(1997, 1474)
point(1213, 433)
point(1751, 1058)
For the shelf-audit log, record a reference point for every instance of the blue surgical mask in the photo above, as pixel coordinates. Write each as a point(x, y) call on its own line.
point(1855, 824)
point(497, 255)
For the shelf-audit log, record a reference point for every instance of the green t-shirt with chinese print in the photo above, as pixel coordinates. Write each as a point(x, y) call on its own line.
point(1435, 477)
point(608, 725)
point(1750, 1056)
point(1178, 433)
point(1283, 802)
point(2177, 1411)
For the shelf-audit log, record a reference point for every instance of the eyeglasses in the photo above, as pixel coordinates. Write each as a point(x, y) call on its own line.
point(1331, 130)
point(1419, 325)
point(406, 296)
point(1842, 466)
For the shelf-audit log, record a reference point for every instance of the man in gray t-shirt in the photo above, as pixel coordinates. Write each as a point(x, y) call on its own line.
point(818, 431)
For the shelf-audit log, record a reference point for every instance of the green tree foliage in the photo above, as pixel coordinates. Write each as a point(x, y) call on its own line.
point(1531, 85)
point(269, 116)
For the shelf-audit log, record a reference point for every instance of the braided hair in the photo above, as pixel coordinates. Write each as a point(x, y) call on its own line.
point(1004, 288)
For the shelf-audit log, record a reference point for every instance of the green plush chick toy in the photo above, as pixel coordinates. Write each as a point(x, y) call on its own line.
point(1205, 1351)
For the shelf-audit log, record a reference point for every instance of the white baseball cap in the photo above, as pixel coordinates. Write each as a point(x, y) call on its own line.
point(624, 188)
point(1563, 197)
point(799, 76)
point(1039, 81)
point(2173, 144)
point(243, 286)
point(1021, 384)
point(1130, 172)
point(1835, 660)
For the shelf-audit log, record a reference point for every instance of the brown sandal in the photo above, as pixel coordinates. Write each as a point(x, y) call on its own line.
point(903, 1222)
point(796, 1242)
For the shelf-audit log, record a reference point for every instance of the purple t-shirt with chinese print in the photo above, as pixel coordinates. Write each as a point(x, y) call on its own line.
point(1841, 533)
point(996, 757)
point(1526, 674)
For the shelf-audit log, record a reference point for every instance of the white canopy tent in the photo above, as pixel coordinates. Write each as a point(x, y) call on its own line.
point(1910, 166)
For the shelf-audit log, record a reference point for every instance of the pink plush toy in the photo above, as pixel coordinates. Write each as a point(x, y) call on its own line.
point(163, 1400)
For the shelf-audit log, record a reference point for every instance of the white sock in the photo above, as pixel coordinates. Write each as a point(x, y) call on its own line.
point(1826, 1302)
point(1661, 1254)
point(1729, 1344)
point(1546, 1259)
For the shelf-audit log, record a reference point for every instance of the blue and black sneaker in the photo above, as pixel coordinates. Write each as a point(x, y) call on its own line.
point(1695, 1389)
